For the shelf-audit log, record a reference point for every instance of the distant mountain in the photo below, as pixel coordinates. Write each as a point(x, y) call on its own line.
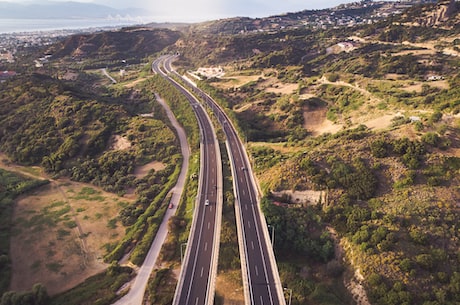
point(63, 10)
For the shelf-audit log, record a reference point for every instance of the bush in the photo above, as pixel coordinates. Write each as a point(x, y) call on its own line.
point(379, 148)
point(425, 261)
point(431, 138)
point(436, 117)
point(333, 77)
point(418, 236)
point(406, 265)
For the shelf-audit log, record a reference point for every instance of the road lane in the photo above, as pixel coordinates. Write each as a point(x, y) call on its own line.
point(197, 280)
point(260, 273)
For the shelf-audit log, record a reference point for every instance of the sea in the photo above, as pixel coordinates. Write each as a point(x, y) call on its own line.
point(36, 25)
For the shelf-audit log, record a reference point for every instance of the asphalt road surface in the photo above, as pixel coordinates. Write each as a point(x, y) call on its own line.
point(196, 284)
point(260, 272)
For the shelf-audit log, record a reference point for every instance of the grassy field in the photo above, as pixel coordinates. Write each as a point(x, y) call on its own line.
point(68, 227)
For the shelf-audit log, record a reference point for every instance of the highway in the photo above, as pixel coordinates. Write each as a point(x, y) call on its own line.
point(198, 273)
point(260, 274)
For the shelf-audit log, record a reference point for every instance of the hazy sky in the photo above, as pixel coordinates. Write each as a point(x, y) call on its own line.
point(200, 10)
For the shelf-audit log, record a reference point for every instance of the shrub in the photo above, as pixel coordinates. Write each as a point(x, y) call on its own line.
point(436, 116)
point(333, 77)
point(431, 138)
point(418, 236)
point(379, 148)
point(425, 261)
point(406, 265)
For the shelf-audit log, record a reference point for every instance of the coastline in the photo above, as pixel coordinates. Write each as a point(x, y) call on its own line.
point(18, 26)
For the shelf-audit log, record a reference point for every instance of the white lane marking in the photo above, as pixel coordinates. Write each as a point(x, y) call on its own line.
point(257, 270)
point(261, 301)
point(249, 224)
point(246, 207)
point(264, 263)
point(202, 271)
point(209, 225)
point(252, 244)
point(196, 302)
point(244, 193)
point(205, 247)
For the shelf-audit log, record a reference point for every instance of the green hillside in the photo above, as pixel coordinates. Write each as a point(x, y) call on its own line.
point(352, 131)
point(353, 135)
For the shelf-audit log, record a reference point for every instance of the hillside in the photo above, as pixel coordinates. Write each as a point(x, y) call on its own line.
point(111, 157)
point(128, 44)
point(353, 135)
point(352, 130)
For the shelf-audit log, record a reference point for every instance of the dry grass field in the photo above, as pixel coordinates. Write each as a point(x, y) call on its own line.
point(60, 232)
point(66, 226)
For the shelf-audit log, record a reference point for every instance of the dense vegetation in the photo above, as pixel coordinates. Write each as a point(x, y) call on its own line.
point(162, 282)
point(112, 48)
point(99, 289)
point(71, 129)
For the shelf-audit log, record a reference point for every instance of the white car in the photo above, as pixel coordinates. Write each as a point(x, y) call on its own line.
point(206, 202)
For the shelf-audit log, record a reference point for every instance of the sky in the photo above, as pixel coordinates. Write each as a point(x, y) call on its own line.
point(202, 10)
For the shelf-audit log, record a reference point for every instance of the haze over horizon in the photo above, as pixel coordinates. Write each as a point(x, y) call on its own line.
point(202, 10)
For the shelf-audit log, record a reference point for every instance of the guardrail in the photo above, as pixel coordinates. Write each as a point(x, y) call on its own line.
point(224, 119)
point(219, 207)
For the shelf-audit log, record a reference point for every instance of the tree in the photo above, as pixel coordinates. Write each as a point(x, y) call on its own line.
point(425, 261)
point(40, 294)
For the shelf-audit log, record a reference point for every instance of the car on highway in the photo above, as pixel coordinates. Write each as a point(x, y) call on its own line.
point(206, 202)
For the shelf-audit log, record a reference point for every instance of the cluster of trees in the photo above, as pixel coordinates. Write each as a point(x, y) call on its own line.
point(298, 231)
point(382, 291)
point(67, 130)
point(357, 179)
point(179, 105)
point(419, 255)
point(161, 287)
point(37, 296)
point(411, 152)
point(99, 289)
point(48, 119)
point(300, 236)
point(412, 155)
point(147, 188)
point(145, 216)
point(112, 171)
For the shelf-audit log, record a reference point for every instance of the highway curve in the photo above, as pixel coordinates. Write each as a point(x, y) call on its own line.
point(198, 273)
